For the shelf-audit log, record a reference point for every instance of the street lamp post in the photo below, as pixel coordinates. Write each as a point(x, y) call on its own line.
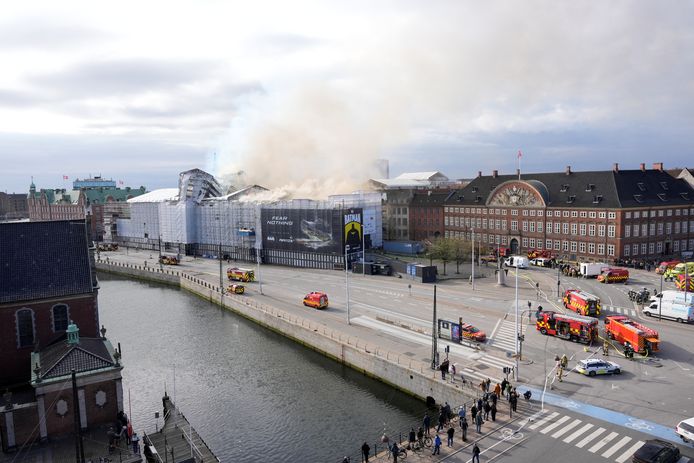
point(473, 259)
point(347, 283)
point(515, 372)
point(660, 299)
point(219, 254)
point(558, 281)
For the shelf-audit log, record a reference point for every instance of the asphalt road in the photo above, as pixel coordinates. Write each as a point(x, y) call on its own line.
point(653, 392)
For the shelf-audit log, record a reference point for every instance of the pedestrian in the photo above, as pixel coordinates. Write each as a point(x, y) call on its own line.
point(475, 453)
point(461, 413)
point(450, 432)
point(444, 369)
point(451, 371)
point(479, 405)
point(420, 436)
point(478, 422)
point(508, 391)
point(427, 423)
point(514, 399)
point(482, 386)
point(605, 348)
point(502, 387)
point(462, 376)
point(493, 411)
point(564, 361)
point(136, 443)
point(473, 412)
point(442, 420)
point(464, 425)
point(437, 446)
point(447, 411)
point(411, 438)
point(365, 450)
point(487, 384)
point(495, 397)
point(395, 450)
point(487, 409)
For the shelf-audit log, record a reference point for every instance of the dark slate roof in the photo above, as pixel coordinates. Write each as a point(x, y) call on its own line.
point(99, 195)
point(43, 259)
point(60, 358)
point(593, 189)
point(426, 199)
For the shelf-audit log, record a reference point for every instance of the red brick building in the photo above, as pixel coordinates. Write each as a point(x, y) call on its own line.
point(48, 280)
point(426, 214)
point(641, 214)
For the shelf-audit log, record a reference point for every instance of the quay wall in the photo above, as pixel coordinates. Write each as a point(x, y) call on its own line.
point(393, 368)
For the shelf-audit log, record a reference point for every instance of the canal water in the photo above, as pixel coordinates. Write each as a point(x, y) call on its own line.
point(253, 395)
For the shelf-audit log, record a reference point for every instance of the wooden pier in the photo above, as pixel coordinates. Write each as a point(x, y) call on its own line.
point(176, 441)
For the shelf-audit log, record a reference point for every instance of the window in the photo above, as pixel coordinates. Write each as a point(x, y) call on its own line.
point(497, 224)
point(60, 318)
point(582, 247)
point(591, 214)
point(548, 244)
point(532, 243)
point(25, 327)
point(626, 216)
point(524, 243)
point(652, 229)
point(644, 229)
point(601, 230)
point(635, 249)
point(677, 227)
point(574, 214)
point(668, 228)
point(601, 249)
point(539, 244)
point(445, 221)
point(660, 228)
point(557, 245)
point(504, 239)
point(539, 227)
point(610, 249)
point(557, 228)
point(591, 248)
point(669, 212)
point(514, 211)
point(525, 226)
point(659, 247)
point(525, 212)
point(591, 229)
point(504, 224)
point(549, 227)
point(602, 215)
point(627, 231)
point(637, 214)
point(652, 213)
point(612, 215)
point(584, 214)
point(574, 246)
point(643, 249)
point(574, 228)
point(514, 225)
point(565, 246)
point(541, 213)
point(627, 250)
point(565, 228)
point(684, 227)
point(532, 226)
point(660, 212)
point(651, 248)
point(676, 245)
point(583, 229)
point(532, 213)
point(565, 213)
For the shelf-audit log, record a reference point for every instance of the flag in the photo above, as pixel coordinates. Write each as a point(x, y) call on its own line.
point(520, 155)
point(65, 177)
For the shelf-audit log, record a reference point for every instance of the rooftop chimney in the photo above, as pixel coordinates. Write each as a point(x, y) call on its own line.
point(643, 167)
point(479, 173)
point(568, 170)
point(615, 168)
point(495, 173)
point(658, 166)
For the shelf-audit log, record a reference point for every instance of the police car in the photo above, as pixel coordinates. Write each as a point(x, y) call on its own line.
point(592, 367)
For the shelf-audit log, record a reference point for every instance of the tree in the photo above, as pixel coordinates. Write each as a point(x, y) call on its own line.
point(442, 249)
point(462, 251)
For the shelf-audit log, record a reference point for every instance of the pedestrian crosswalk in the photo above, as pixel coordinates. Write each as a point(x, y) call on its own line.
point(619, 310)
point(575, 431)
point(504, 337)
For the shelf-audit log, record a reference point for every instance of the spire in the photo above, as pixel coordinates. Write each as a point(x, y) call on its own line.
point(73, 334)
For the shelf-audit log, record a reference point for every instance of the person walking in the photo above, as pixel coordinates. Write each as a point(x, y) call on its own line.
point(475, 453)
point(495, 397)
point(427, 423)
point(605, 348)
point(514, 399)
point(437, 445)
point(461, 412)
point(497, 389)
point(136, 443)
point(365, 449)
point(395, 450)
point(411, 438)
point(444, 369)
point(464, 425)
point(442, 421)
point(502, 387)
point(420, 437)
point(450, 432)
point(451, 371)
point(487, 385)
point(493, 410)
point(478, 422)
point(487, 409)
point(473, 412)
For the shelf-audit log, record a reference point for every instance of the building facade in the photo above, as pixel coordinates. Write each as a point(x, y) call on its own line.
point(641, 214)
point(426, 216)
point(13, 206)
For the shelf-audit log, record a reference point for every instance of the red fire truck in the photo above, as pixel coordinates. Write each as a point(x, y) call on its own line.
point(573, 327)
point(685, 283)
point(240, 274)
point(582, 302)
point(614, 275)
point(622, 329)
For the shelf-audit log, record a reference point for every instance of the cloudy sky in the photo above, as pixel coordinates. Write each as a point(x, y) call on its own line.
point(309, 93)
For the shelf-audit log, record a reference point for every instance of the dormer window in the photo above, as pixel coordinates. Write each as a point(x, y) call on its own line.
point(597, 199)
point(638, 198)
point(478, 199)
point(571, 199)
point(564, 188)
point(474, 189)
point(662, 197)
point(664, 185)
point(685, 195)
point(590, 187)
point(641, 186)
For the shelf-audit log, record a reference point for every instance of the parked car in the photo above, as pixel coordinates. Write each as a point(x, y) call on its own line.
point(592, 367)
point(540, 262)
point(656, 451)
point(685, 429)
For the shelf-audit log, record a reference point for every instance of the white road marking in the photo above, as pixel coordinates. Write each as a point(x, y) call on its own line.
point(602, 442)
point(566, 428)
point(559, 422)
point(626, 455)
point(544, 420)
point(612, 450)
point(589, 438)
point(580, 432)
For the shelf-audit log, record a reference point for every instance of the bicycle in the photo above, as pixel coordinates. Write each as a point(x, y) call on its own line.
point(419, 445)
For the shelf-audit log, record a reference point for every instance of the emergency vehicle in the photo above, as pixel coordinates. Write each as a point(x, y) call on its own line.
point(569, 326)
point(666, 265)
point(236, 289)
point(240, 274)
point(582, 302)
point(316, 299)
point(683, 283)
point(459, 331)
point(614, 275)
point(622, 329)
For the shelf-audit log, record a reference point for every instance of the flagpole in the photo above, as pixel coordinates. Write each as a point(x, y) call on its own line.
point(520, 155)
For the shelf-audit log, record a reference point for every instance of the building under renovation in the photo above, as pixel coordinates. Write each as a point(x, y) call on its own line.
point(198, 218)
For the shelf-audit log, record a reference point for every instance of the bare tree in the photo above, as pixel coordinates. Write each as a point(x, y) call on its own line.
point(462, 251)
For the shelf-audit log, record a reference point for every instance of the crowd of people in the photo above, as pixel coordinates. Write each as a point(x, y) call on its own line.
point(122, 432)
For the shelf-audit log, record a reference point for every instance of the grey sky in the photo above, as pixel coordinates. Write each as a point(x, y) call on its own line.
point(287, 91)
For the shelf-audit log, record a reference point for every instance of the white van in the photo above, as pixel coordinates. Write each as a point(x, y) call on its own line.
point(592, 270)
point(673, 296)
point(682, 313)
point(685, 429)
point(517, 261)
